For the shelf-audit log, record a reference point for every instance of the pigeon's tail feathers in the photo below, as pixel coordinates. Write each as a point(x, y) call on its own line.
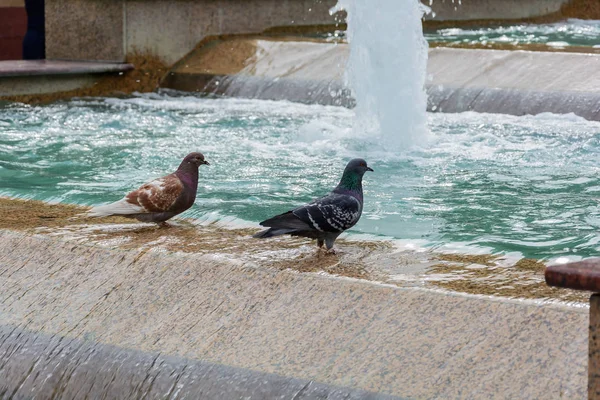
point(121, 207)
point(286, 223)
point(286, 220)
point(267, 233)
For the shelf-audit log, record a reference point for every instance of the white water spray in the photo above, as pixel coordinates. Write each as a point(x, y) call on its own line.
point(386, 69)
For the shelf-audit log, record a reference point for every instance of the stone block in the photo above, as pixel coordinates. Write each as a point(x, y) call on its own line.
point(361, 335)
point(172, 29)
point(87, 30)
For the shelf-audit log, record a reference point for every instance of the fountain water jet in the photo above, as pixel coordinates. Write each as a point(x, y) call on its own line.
point(386, 69)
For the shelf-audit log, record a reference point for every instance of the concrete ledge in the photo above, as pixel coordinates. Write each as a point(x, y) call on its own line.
point(43, 76)
point(341, 332)
point(495, 81)
point(512, 101)
point(514, 82)
point(19, 85)
point(297, 90)
point(48, 67)
point(41, 365)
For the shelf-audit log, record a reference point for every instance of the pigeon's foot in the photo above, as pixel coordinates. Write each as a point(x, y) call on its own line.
point(164, 224)
point(331, 252)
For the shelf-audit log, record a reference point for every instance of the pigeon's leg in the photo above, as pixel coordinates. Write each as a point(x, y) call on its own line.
point(329, 244)
point(164, 224)
point(319, 246)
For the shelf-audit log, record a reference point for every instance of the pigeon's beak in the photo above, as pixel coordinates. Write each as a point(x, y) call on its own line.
point(205, 162)
point(370, 169)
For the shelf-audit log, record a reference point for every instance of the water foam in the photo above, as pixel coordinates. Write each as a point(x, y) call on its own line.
point(572, 32)
point(488, 182)
point(386, 69)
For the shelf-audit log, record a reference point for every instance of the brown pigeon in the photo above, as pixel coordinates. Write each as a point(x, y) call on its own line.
point(160, 199)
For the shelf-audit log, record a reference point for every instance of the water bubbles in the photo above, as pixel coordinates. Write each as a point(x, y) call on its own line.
point(506, 183)
point(572, 32)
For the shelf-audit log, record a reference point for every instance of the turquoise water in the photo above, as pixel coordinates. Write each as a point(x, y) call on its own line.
point(497, 183)
point(572, 32)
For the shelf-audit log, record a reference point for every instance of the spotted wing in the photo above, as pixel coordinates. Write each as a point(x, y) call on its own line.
point(333, 213)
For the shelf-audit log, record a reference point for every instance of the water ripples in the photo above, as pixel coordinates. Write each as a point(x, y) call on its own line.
point(508, 184)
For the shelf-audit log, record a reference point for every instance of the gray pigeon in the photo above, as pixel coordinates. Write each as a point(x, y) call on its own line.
point(160, 199)
point(325, 218)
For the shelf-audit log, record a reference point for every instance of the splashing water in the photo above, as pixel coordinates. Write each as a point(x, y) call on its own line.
point(485, 183)
point(386, 69)
point(572, 32)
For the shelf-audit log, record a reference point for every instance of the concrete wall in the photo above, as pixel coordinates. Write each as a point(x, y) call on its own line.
point(108, 30)
point(85, 30)
point(26, 85)
point(338, 331)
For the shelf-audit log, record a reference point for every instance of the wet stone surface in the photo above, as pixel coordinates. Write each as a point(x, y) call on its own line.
point(221, 305)
point(381, 261)
point(67, 368)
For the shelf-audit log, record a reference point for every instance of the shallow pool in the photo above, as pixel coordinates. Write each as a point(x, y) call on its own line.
point(486, 183)
point(572, 32)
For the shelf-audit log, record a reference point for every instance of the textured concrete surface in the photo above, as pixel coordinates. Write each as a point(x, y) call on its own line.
point(49, 67)
point(337, 331)
point(108, 30)
point(524, 70)
point(144, 78)
point(85, 30)
point(381, 261)
point(305, 71)
point(514, 82)
point(498, 81)
point(173, 28)
point(20, 85)
point(47, 366)
point(24, 77)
